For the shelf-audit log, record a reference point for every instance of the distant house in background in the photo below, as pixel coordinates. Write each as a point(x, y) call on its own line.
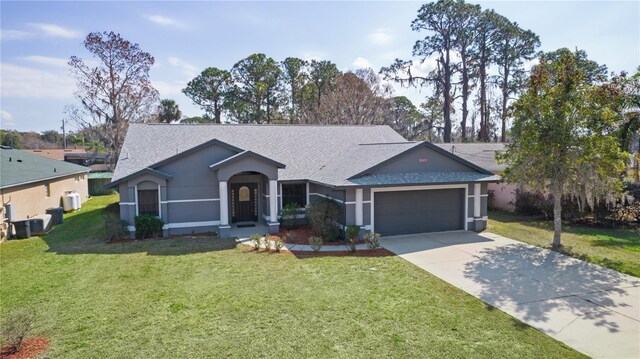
point(100, 173)
point(97, 162)
point(483, 155)
point(32, 183)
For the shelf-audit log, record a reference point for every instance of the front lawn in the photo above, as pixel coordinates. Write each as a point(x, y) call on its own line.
point(204, 297)
point(618, 249)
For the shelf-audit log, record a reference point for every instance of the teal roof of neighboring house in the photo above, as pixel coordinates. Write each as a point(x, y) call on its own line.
point(19, 167)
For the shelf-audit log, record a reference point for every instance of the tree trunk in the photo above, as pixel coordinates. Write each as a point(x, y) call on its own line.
point(447, 98)
point(505, 98)
point(465, 97)
point(557, 219)
point(483, 132)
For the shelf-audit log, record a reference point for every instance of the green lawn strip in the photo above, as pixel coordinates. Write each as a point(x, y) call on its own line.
point(201, 298)
point(618, 249)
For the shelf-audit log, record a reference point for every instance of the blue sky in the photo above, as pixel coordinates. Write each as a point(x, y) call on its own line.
point(186, 37)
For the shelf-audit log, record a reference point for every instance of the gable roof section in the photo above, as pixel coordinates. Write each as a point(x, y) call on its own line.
point(482, 154)
point(304, 149)
point(418, 145)
point(245, 154)
point(19, 167)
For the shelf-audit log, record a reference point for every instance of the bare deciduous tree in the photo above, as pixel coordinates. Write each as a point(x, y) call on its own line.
point(115, 92)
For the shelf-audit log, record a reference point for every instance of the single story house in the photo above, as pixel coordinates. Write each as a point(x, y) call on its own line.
point(33, 183)
point(484, 155)
point(201, 178)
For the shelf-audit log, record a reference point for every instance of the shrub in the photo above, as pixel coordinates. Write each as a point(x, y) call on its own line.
point(115, 227)
point(324, 214)
point(148, 226)
point(15, 328)
point(292, 237)
point(255, 239)
point(352, 236)
point(278, 244)
point(267, 242)
point(533, 203)
point(288, 215)
point(373, 240)
point(315, 242)
point(491, 200)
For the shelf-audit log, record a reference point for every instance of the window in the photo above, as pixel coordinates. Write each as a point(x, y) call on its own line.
point(148, 202)
point(47, 190)
point(294, 193)
point(77, 179)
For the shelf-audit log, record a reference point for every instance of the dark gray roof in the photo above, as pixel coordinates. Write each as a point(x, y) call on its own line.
point(480, 154)
point(20, 167)
point(389, 179)
point(325, 154)
point(305, 150)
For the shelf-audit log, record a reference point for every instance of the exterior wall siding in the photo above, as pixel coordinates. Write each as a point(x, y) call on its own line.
point(30, 200)
point(421, 159)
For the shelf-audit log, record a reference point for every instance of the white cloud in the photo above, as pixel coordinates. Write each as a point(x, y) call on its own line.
point(162, 20)
point(188, 69)
point(19, 81)
point(56, 31)
point(380, 37)
point(6, 120)
point(361, 63)
point(314, 55)
point(169, 89)
point(46, 60)
point(14, 34)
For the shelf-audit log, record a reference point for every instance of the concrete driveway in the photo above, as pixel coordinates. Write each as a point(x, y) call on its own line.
point(592, 309)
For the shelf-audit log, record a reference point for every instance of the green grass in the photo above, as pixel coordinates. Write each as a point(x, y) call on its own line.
point(618, 249)
point(194, 298)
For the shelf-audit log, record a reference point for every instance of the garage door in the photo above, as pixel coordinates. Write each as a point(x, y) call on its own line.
point(407, 212)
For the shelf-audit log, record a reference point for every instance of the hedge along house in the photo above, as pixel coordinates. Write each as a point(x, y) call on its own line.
point(201, 178)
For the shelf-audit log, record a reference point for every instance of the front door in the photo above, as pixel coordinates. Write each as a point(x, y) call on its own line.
point(244, 204)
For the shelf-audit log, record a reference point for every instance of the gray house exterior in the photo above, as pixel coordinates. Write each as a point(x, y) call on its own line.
point(210, 178)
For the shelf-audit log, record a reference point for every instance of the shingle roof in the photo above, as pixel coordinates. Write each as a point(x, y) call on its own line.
point(325, 154)
point(57, 153)
point(305, 150)
point(389, 179)
point(480, 154)
point(20, 167)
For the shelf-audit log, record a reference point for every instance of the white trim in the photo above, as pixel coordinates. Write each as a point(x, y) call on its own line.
point(127, 203)
point(476, 200)
point(482, 195)
point(131, 228)
point(190, 200)
point(471, 219)
point(322, 195)
point(419, 188)
point(350, 203)
point(273, 205)
point(307, 189)
point(224, 202)
point(159, 201)
point(359, 207)
point(135, 188)
point(191, 224)
point(279, 194)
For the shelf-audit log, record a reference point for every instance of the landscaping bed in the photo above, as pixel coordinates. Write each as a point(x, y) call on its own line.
point(29, 348)
point(300, 235)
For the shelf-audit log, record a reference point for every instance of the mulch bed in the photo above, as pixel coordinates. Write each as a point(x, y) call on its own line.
point(378, 252)
point(30, 348)
point(302, 235)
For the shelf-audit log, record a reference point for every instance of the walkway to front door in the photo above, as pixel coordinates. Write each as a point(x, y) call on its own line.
point(592, 309)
